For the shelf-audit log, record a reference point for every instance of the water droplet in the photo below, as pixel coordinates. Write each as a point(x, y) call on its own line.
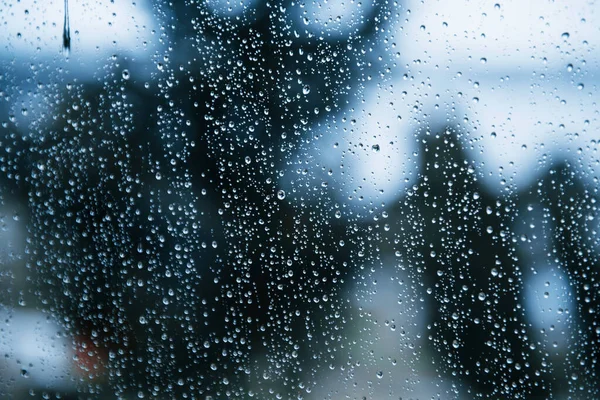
point(281, 195)
point(126, 74)
point(306, 89)
point(574, 376)
point(565, 35)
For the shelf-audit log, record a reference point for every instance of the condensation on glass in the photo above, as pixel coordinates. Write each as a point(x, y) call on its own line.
point(335, 199)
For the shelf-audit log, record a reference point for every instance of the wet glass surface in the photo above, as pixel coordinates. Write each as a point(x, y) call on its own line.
point(299, 200)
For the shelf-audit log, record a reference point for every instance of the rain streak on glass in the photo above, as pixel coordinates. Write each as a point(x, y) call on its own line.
point(66, 36)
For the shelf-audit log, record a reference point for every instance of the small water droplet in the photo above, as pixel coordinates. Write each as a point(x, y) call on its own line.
point(574, 376)
point(281, 195)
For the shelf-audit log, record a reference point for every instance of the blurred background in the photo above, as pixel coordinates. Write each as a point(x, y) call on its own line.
point(324, 199)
